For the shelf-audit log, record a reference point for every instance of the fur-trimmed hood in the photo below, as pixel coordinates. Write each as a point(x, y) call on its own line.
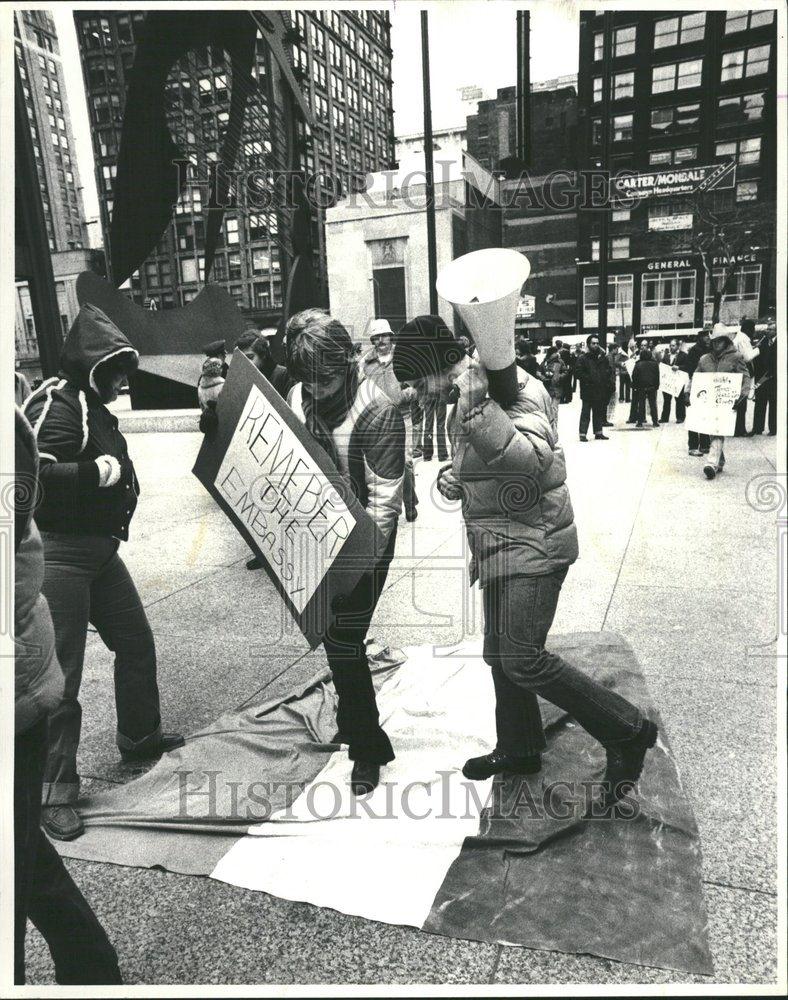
point(92, 340)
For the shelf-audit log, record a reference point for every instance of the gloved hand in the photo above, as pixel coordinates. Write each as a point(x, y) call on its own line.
point(472, 386)
point(449, 486)
point(109, 470)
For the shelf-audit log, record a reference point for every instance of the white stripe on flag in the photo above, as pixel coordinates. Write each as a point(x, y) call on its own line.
point(388, 863)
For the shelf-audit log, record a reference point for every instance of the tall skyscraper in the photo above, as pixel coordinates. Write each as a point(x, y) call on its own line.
point(342, 60)
point(38, 60)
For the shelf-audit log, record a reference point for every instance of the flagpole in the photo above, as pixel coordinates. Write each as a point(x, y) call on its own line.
point(429, 170)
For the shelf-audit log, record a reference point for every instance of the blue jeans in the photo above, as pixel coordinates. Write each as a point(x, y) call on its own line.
point(86, 581)
point(518, 613)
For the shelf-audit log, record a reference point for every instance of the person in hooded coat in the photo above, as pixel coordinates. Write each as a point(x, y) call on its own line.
point(89, 494)
point(44, 892)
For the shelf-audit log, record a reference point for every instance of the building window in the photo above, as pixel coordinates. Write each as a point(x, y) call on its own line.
point(735, 110)
point(741, 20)
point(623, 86)
point(679, 30)
point(675, 119)
point(676, 76)
point(667, 157)
point(123, 25)
point(747, 191)
point(620, 215)
point(596, 131)
point(619, 292)
point(598, 45)
point(597, 89)
point(619, 248)
point(622, 128)
point(231, 230)
point(744, 151)
point(624, 41)
point(745, 62)
point(234, 266)
point(669, 288)
point(744, 285)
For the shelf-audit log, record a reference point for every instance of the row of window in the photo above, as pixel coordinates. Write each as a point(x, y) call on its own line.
point(672, 288)
point(680, 30)
point(687, 74)
point(97, 31)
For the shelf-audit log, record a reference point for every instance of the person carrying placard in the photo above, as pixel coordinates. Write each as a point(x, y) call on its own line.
point(363, 433)
point(723, 357)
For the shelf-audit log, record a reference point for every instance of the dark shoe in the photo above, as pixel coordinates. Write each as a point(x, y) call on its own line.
point(638, 424)
point(601, 437)
point(443, 458)
point(255, 563)
point(412, 514)
point(680, 421)
point(630, 421)
point(364, 778)
point(608, 424)
point(427, 457)
point(656, 422)
point(481, 768)
point(168, 741)
point(709, 471)
point(62, 822)
point(583, 437)
point(625, 764)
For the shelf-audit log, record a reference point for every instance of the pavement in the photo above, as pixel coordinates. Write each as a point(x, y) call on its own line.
point(685, 569)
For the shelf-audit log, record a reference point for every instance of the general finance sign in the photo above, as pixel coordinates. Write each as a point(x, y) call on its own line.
point(283, 494)
point(675, 181)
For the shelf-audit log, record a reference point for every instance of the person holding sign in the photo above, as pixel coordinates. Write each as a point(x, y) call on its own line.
point(508, 469)
point(677, 361)
point(723, 358)
point(363, 433)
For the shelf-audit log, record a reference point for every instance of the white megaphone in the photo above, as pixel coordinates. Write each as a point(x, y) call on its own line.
point(484, 287)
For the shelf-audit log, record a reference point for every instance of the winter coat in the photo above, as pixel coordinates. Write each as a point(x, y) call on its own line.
point(370, 445)
point(729, 361)
point(645, 375)
point(279, 377)
point(593, 373)
point(517, 509)
point(694, 354)
point(38, 677)
point(765, 362)
point(554, 376)
point(73, 428)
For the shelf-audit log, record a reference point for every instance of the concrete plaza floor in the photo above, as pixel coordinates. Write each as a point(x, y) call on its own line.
point(686, 570)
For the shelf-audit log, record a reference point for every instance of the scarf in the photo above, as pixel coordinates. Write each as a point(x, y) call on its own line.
point(323, 415)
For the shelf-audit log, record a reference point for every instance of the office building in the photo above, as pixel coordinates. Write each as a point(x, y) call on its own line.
point(342, 60)
point(692, 121)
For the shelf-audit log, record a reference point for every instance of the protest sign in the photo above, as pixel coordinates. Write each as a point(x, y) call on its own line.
point(284, 495)
point(670, 382)
point(711, 403)
point(630, 366)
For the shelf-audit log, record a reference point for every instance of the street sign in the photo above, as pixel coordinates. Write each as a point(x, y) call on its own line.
point(675, 181)
point(287, 499)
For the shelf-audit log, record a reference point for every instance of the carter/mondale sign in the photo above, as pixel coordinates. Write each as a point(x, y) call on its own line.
point(692, 180)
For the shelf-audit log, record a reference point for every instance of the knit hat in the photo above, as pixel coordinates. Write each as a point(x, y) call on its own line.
point(425, 346)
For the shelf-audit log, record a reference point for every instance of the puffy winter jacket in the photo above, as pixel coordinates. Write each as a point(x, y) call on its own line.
point(38, 677)
point(73, 428)
point(370, 444)
point(517, 509)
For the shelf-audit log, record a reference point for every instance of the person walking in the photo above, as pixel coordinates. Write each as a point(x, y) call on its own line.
point(676, 358)
point(520, 555)
point(89, 493)
point(376, 365)
point(363, 432)
point(765, 374)
point(723, 357)
point(553, 376)
point(593, 374)
point(645, 381)
point(44, 892)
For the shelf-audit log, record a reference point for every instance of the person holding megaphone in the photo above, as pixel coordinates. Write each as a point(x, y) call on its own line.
point(508, 469)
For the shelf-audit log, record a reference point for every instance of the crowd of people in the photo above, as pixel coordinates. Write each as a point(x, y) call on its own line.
point(406, 396)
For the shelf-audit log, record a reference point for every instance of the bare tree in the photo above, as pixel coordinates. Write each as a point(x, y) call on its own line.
point(721, 233)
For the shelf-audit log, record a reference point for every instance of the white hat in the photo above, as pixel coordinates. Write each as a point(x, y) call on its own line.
point(720, 330)
point(380, 328)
